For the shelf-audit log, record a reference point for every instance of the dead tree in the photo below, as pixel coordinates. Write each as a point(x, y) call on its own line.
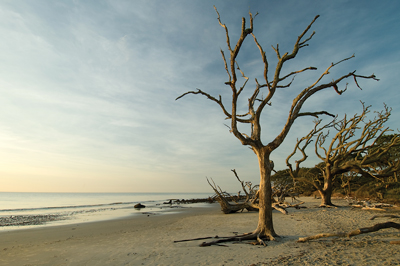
point(224, 199)
point(256, 103)
point(354, 148)
point(229, 204)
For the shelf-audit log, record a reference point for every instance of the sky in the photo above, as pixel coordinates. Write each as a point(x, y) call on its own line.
point(88, 88)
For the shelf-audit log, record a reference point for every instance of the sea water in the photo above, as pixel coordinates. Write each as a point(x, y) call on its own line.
point(70, 208)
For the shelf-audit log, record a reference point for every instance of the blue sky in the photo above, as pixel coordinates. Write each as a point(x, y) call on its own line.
point(88, 88)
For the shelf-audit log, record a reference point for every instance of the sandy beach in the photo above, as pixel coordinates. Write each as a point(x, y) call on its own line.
point(149, 240)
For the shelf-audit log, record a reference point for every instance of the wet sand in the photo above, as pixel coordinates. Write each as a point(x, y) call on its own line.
point(149, 240)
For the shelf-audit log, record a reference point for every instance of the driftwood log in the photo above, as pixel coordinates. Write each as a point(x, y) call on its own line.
point(248, 236)
point(384, 216)
point(366, 205)
point(364, 230)
point(238, 238)
point(249, 201)
point(231, 204)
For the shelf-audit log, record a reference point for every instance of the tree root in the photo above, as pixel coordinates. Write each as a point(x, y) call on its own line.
point(193, 239)
point(328, 206)
point(365, 230)
point(249, 236)
point(258, 239)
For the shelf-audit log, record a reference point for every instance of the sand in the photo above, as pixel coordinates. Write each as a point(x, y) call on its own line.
point(149, 240)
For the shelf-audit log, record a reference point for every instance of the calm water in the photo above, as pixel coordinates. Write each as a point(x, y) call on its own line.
point(86, 207)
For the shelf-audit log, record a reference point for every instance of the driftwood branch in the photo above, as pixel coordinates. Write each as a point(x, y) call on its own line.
point(238, 238)
point(250, 203)
point(380, 216)
point(364, 230)
point(192, 239)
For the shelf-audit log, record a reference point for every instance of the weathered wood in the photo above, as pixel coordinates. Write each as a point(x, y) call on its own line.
point(374, 228)
point(222, 199)
point(249, 204)
point(305, 239)
point(297, 205)
point(372, 208)
point(344, 152)
point(258, 101)
point(244, 237)
point(192, 239)
point(359, 231)
point(280, 208)
point(382, 216)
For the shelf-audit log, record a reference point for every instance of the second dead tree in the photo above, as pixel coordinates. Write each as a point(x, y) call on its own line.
point(353, 148)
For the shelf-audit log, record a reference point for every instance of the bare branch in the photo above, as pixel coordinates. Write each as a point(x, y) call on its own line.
point(296, 72)
point(315, 114)
point(308, 92)
point(365, 77)
point(226, 30)
point(301, 146)
point(264, 59)
point(302, 44)
point(219, 101)
point(246, 78)
point(226, 68)
point(299, 44)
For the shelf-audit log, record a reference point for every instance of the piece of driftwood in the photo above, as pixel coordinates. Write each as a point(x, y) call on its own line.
point(384, 216)
point(229, 204)
point(297, 204)
point(280, 208)
point(365, 230)
point(240, 238)
point(366, 205)
point(237, 238)
point(193, 239)
point(372, 209)
point(374, 228)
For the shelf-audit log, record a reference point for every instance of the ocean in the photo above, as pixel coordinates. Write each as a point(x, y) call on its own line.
point(28, 210)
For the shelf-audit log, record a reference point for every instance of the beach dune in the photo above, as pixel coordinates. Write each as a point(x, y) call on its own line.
point(149, 240)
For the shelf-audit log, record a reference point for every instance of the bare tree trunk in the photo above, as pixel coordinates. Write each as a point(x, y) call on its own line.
point(326, 196)
point(265, 226)
point(326, 192)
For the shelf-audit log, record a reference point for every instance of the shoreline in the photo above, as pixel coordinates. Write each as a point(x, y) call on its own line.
point(149, 240)
point(55, 216)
